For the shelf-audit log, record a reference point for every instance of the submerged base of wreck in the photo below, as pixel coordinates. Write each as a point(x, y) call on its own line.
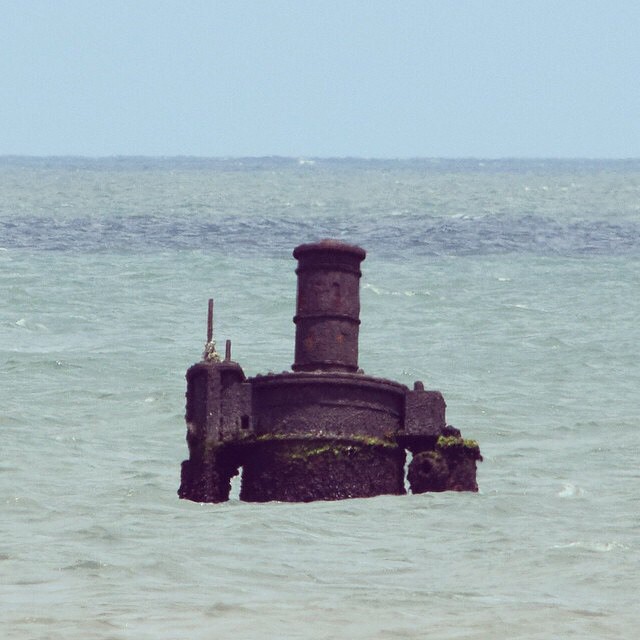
point(305, 470)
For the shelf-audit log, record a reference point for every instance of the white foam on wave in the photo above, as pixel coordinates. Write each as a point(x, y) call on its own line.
point(593, 545)
point(373, 288)
point(570, 491)
point(35, 326)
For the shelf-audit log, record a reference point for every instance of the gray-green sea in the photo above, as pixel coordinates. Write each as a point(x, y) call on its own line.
point(511, 286)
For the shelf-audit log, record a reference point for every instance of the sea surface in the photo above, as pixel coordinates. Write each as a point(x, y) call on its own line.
point(511, 286)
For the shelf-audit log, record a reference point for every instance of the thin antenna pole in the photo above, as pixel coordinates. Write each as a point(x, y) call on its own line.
point(210, 322)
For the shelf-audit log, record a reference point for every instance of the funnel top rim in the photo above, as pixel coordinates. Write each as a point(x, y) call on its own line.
point(329, 244)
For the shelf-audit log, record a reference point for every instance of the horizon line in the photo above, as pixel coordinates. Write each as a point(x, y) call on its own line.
point(298, 158)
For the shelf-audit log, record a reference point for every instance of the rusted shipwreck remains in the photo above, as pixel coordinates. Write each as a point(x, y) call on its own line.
point(324, 431)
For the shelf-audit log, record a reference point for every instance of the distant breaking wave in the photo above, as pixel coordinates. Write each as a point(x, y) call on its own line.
point(425, 235)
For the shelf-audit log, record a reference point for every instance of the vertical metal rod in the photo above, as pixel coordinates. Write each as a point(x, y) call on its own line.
point(210, 322)
point(227, 350)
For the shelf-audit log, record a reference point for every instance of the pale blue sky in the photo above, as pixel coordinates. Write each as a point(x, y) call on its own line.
point(367, 78)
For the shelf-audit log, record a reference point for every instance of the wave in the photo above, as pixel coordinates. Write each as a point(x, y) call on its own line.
point(423, 235)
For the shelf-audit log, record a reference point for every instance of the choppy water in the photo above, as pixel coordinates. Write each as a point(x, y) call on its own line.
point(513, 287)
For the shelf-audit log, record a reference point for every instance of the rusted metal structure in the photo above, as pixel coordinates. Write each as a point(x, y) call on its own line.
point(324, 431)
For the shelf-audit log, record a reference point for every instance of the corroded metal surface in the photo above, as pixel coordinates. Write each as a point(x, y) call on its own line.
point(325, 431)
point(328, 306)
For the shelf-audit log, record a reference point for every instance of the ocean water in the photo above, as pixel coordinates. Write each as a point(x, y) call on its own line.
point(511, 286)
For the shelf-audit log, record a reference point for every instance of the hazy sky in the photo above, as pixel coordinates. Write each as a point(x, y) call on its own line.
point(368, 78)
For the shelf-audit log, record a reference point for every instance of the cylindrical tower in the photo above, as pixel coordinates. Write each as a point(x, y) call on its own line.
point(328, 306)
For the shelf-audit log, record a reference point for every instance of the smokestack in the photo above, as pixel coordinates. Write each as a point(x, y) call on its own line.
point(328, 306)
